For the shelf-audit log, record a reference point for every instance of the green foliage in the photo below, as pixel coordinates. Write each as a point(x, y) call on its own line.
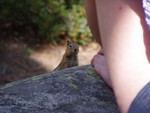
point(28, 51)
point(53, 19)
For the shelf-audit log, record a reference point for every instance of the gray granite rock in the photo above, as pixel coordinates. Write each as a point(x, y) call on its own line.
point(74, 90)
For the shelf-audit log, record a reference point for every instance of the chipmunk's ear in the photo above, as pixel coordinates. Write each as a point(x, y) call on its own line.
point(68, 42)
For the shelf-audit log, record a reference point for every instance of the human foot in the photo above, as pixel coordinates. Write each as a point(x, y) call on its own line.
point(99, 63)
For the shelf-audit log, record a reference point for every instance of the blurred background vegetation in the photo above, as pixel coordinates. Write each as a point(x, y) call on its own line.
point(52, 20)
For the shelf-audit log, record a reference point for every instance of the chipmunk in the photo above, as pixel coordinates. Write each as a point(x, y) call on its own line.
point(70, 57)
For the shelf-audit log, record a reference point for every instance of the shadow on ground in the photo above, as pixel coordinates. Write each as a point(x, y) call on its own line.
point(15, 49)
point(15, 62)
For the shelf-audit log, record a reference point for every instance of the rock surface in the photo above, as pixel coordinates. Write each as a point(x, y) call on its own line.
point(74, 90)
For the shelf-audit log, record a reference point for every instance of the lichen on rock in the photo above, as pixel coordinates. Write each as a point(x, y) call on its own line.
point(74, 90)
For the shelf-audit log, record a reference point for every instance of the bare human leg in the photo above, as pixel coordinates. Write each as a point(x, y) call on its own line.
point(98, 60)
point(91, 14)
point(123, 33)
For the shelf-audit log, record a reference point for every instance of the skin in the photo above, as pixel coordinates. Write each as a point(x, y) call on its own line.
point(90, 8)
point(126, 45)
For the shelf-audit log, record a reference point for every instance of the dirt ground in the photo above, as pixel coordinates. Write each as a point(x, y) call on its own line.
point(25, 57)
